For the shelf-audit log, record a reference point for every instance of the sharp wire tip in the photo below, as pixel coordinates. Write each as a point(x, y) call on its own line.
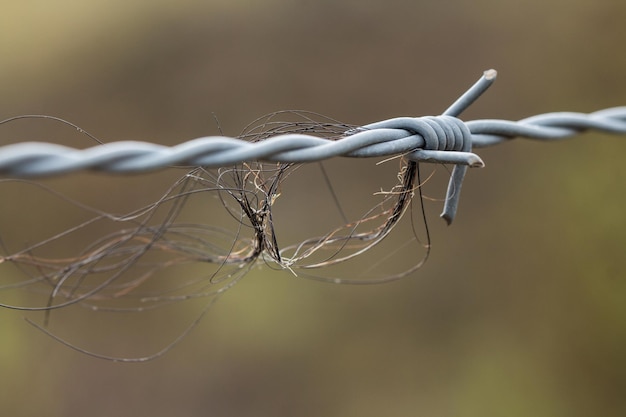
point(490, 74)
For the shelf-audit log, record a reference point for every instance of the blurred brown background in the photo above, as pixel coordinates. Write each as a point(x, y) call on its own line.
point(520, 310)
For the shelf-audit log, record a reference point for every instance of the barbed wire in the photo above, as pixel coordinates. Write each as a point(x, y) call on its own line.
point(120, 271)
point(443, 139)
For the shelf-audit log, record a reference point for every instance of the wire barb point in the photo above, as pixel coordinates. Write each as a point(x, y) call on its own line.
point(458, 173)
point(490, 74)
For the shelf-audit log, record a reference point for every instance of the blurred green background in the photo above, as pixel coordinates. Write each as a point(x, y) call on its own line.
point(519, 311)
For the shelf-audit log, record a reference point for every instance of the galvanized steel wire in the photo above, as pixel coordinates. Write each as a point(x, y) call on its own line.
point(391, 137)
point(440, 139)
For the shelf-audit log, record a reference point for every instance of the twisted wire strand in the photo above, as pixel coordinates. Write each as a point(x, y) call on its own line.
point(443, 139)
point(447, 140)
point(549, 126)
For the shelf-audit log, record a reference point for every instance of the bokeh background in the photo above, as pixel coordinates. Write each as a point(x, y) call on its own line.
point(520, 309)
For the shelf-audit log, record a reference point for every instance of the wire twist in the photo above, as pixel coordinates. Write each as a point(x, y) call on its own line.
point(439, 139)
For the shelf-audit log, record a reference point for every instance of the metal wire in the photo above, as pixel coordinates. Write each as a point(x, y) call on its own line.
point(441, 139)
point(386, 138)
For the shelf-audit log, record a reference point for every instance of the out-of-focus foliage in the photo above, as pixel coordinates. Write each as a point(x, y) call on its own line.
point(520, 309)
